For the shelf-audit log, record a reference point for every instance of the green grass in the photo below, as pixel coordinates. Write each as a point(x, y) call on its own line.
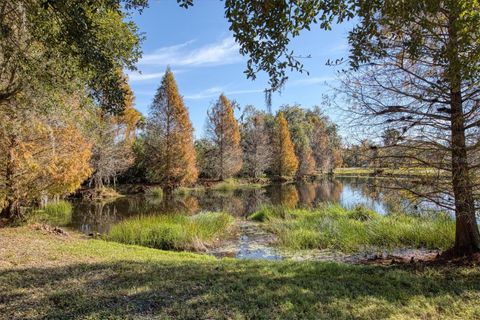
point(43, 276)
point(334, 227)
point(55, 213)
point(185, 191)
point(156, 192)
point(399, 172)
point(172, 232)
point(231, 184)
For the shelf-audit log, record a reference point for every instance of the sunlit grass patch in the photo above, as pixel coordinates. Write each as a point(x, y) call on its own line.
point(172, 232)
point(334, 227)
point(231, 184)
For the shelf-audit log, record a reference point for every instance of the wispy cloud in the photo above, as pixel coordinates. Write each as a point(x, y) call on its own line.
point(217, 53)
point(216, 91)
point(339, 48)
point(311, 81)
point(137, 76)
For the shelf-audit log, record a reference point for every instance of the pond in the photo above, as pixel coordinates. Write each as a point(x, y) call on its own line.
point(97, 217)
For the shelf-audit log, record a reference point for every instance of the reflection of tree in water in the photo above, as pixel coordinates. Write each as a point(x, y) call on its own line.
point(189, 204)
point(327, 190)
point(285, 195)
point(185, 204)
point(253, 199)
point(95, 216)
point(223, 201)
point(307, 193)
point(385, 191)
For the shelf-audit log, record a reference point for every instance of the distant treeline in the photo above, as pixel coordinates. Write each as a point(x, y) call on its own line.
point(294, 143)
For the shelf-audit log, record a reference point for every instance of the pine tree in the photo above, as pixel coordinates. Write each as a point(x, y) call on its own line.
point(285, 162)
point(222, 128)
point(169, 138)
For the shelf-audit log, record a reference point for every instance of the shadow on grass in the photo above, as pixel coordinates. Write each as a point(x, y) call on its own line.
point(233, 289)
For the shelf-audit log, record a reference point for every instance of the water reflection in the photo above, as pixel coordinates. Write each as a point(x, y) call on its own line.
point(92, 217)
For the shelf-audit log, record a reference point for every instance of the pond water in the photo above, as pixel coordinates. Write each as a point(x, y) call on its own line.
point(97, 217)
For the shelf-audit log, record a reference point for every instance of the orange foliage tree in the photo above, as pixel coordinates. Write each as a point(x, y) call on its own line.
point(285, 162)
point(169, 149)
point(40, 157)
point(223, 131)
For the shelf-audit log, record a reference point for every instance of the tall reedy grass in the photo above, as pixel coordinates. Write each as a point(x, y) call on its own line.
point(172, 232)
point(334, 227)
point(58, 213)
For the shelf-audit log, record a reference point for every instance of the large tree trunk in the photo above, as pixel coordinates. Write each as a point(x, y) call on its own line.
point(467, 236)
point(11, 211)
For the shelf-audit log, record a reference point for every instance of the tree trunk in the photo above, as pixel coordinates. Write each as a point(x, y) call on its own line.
point(467, 236)
point(11, 211)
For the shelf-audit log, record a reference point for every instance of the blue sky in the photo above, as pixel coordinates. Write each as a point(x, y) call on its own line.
point(204, 57)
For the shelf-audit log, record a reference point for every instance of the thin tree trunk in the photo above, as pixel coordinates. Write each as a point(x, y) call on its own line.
point(11, 211)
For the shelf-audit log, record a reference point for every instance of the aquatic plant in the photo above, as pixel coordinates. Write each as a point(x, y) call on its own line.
point(334, 227)
point(172, 232)
point(156, 192)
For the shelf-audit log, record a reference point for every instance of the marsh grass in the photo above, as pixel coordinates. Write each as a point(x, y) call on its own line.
point(334, 227)
point(57, 213)
point(185, 191)
point(172, 232)
point(156, 192)
point(231, 184)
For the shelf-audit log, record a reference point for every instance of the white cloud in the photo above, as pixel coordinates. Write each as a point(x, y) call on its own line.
point(137, 76)
point(311, 81)
point(217, 53)
point(216, 91)
point(340, 48)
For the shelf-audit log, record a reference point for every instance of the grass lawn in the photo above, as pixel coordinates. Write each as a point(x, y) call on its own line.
point(55, 277)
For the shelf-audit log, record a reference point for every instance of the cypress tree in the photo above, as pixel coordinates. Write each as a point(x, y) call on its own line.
point(285, 162)
point(169, 149)
point(224, 132)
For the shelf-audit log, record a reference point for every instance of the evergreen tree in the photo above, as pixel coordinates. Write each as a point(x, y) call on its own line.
point(222, 128)
point(169, 148)
point(285, 162)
